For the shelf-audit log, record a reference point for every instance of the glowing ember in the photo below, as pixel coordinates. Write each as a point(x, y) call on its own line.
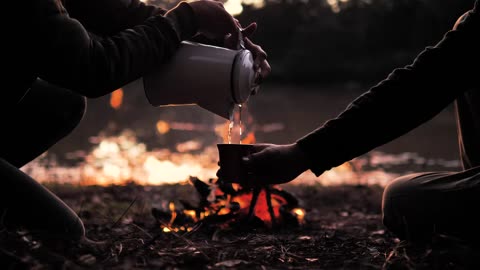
point(300, 214)
point(116, 98)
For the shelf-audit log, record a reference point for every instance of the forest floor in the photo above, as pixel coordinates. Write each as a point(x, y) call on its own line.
point(342, 230)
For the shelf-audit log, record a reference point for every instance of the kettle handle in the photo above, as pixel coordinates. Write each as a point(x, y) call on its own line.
point(241, 44)
point(258, 77)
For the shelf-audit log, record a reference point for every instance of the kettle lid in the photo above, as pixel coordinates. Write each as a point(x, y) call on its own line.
point(243, 76)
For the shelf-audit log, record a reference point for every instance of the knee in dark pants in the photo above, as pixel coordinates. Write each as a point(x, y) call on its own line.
point(411, 207)
point(391, 215)
point(77, 110)
point(406, 208)
point(65, 225)
point(72, 230)
point(27, 204)
point(66, 106)
point(76, 230)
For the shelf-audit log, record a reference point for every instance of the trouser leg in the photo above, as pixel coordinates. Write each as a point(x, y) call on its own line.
point(468, 127)
point(417, 206)
point(24, 203)
point(43, 117)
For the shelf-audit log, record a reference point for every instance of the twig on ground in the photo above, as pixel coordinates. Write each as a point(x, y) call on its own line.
point(253, 203)
point(124, 213)
point(142, 230)
point(268, 194)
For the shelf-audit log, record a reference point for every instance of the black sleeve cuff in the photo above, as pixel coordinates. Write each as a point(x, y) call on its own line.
point(309, 145)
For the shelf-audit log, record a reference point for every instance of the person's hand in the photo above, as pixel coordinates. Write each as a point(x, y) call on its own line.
point(214, 22)
point(218, 26)
point(260, 56)
point(273, 164)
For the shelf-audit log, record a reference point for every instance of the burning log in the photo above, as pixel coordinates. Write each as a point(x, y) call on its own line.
point(229, 205)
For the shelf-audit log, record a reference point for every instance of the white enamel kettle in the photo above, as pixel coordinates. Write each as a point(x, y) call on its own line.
point(214, 78)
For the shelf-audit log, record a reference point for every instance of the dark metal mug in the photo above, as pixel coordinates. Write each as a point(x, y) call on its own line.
point(232, 168)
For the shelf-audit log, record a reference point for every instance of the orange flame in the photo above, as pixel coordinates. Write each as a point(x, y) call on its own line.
point(261, 208)
point(270, 207)
point(116, 98)
point(171, 206)
point(300, 213)
point(250, 138)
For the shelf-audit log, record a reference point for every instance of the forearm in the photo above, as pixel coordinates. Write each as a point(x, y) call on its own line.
point(107, 17)
point(93, 66)
point(407, 98)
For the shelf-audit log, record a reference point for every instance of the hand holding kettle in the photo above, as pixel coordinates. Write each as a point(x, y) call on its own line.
point(262, 67)
point(215, 23)
point(214, 77)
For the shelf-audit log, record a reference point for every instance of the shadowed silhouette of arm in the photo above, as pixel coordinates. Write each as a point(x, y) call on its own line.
point(408, 97)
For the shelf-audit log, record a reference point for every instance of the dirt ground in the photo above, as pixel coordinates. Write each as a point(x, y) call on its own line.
point(342, 230)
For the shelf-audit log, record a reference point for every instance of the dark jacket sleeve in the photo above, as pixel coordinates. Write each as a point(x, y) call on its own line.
point(407, 98)
point(107, 17)
point(66, 54)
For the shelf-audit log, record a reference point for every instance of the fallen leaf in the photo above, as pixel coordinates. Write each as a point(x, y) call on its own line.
point(87, 259)
point(266, 248)
point(379, 232)
point(118, 248)
point(230, 263)
point(374, 251)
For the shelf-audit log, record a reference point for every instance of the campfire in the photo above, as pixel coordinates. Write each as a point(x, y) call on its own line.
point(227, 205)
point(230, 205)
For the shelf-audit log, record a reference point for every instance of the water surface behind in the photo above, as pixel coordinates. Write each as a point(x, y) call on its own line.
point(279, 113)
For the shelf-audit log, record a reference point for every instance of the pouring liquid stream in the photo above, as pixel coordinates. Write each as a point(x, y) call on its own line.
point(230, 127)
point(240, 122)
point(231, 124)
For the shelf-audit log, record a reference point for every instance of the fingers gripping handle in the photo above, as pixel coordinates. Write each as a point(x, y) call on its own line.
point(258, 77)
point(241, 43)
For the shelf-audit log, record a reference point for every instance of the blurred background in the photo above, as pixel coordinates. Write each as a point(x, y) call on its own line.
point(323, 54)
